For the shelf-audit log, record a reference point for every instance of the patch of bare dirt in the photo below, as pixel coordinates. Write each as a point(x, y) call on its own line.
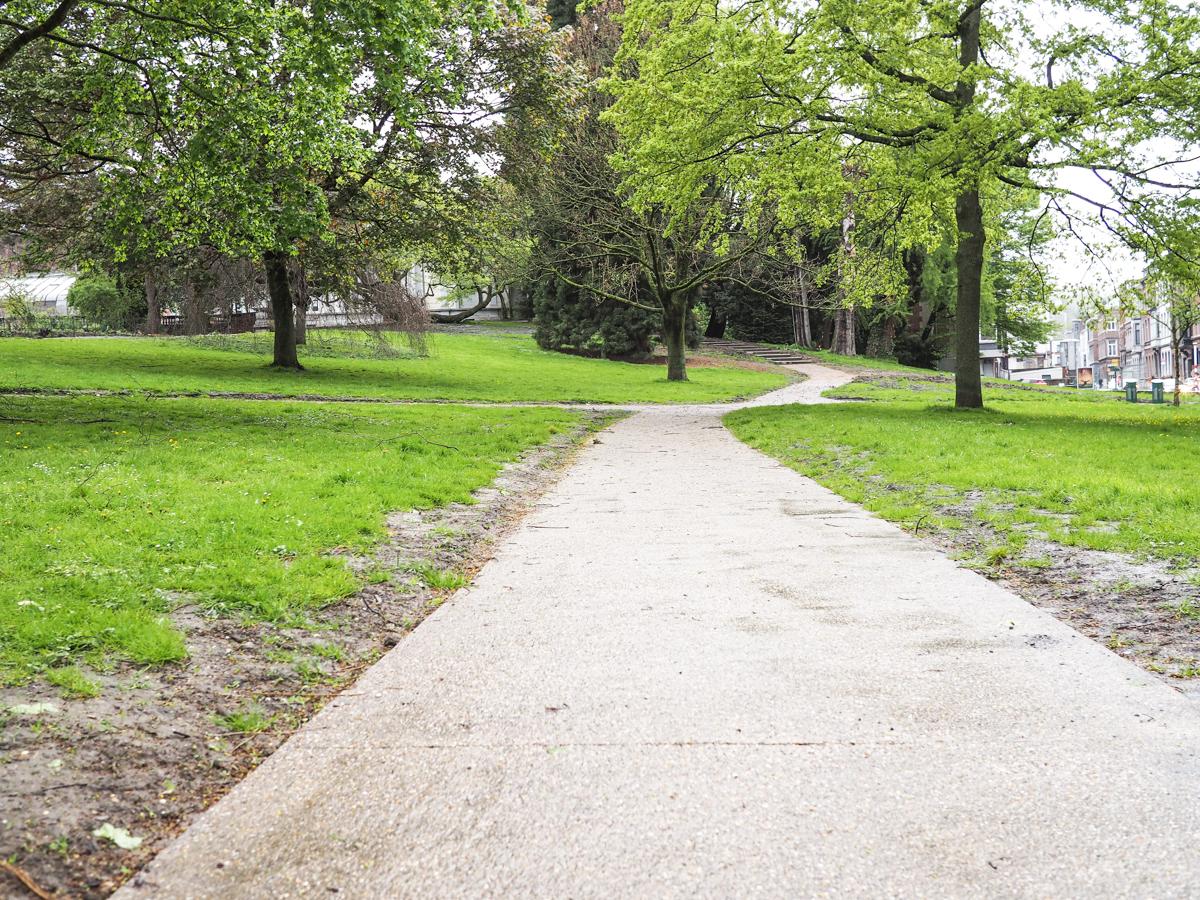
point(158, 746)
point(1144, 609)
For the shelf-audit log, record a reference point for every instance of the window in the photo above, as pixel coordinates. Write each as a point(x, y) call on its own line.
point(1112, 347)
point(1110, 325)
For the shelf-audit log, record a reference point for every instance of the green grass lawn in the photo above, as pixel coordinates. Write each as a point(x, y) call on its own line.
point(468, 367)
point(1083, 467)
point(918, 384)
point(114, 510)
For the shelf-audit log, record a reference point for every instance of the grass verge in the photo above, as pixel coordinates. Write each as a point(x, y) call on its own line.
point(115, 510)
point(504, 367)
point(1081, 468)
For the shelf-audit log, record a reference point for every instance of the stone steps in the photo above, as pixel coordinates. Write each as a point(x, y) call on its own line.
point(766, 353)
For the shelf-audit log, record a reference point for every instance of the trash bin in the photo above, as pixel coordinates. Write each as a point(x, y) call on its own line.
point(1156, 391)
point(1131, 391)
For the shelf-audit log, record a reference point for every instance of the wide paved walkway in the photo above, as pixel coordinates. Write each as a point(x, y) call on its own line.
point(693, 672)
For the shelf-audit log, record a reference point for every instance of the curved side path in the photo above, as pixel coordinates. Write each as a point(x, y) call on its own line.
point(693, 672)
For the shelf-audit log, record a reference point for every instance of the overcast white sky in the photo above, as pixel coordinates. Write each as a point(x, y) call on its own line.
point(1070, 262)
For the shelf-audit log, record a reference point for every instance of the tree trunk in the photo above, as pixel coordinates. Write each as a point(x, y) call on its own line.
point(843, 332)
point(153, 305)
point(301, 323)
point(518, 301)
point(881, 342)
point(483, 298)
point(914, 268)
point(716, 326)
point(887, 346)
point(843, 322)
point(674, 335)
point(801, 320)
point(968, 217)
point(1177, 355)
point(275, 262)
point(827, 330)
point(195, 310)
point(968, 384)
point(301, 302)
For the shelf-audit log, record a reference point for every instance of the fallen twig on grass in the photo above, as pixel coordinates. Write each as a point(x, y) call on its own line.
point(22, 876)
point(52, 787)
point(20, 421)
point(418, 434)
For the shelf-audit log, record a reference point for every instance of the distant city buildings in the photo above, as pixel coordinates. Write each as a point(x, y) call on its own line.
point(1105, 355)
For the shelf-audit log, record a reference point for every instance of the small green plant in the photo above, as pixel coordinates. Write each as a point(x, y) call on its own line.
point(249, 720)
point(61, 846)
point(997, 554)
point(309, 671)
point(1036, 562)
point(72, 682)
point(1009, 551)
point(438, 579)
point(1188, 609)
point(329, 651)
point(377, 575)
point(18, 307)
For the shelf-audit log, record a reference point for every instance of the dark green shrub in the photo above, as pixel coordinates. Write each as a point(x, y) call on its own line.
point(914, 350)
point(103, 301)
point(566, 320)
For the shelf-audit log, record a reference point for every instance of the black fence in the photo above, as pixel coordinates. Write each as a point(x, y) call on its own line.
point(238, 323)
point(68, 326)
point(44, 326)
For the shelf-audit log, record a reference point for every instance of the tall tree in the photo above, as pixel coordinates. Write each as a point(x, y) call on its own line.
point(259, 136)
point(595, 241)
point(1017, 294)
point(942, 105)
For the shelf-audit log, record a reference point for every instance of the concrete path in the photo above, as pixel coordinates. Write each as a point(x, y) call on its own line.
point(693, 672)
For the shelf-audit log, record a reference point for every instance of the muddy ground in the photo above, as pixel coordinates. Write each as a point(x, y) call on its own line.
point(158, 746)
